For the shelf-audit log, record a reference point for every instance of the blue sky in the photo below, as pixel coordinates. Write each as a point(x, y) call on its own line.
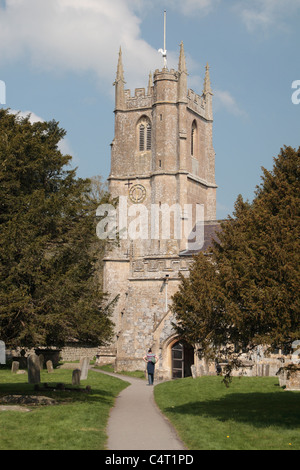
point(58, 60)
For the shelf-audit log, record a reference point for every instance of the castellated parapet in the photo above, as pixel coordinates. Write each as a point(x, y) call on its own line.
point(197, 103)
point(145, 99)
point(140, 99)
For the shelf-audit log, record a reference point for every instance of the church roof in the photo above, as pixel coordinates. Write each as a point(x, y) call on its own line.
point(211, 229)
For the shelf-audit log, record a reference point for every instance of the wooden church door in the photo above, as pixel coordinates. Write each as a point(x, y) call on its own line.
point(178, 360)
point(182, 359)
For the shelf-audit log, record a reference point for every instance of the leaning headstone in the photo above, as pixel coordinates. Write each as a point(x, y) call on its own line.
point(15, 367)
point(2, 353)
point(84, 367)
point(49, 367)
point(76, 377)
point(33, 365)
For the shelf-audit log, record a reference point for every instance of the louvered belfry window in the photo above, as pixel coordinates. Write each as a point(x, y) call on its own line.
point(144, 135)
point(142, 138)
point(148, 136)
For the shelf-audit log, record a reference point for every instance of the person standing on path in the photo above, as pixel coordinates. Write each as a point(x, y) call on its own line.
point(150, 359)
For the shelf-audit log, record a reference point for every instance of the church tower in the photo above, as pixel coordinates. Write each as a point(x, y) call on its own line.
point(162, 172)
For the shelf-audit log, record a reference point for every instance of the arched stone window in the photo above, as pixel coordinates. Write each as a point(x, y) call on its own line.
point(144, 134)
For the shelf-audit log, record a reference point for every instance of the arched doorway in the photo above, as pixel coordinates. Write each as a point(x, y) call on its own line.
point(182, 359)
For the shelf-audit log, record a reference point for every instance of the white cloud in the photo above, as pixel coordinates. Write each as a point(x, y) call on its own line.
point(23, 114)
point(263, 14)
point(63, 145)
point(85, 35)
point(76, 35)
point(224, 100)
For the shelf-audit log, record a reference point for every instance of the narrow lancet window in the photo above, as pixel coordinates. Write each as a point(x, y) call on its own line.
point(148, 136)
point(193, 139)
point(144, 134)
point(142, 138)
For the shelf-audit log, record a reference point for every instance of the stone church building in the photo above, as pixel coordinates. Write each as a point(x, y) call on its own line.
point(162, 170)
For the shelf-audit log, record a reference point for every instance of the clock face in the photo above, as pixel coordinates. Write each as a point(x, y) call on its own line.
point(137, 193)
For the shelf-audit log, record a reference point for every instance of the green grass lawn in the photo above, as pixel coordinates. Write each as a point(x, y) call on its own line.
point(254, 413)
point(77, 422)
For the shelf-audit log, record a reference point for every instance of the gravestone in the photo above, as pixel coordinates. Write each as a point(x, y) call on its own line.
point(293, 378)
point(76, 377)
point(84, 367)
point(193, 371)
point(2, 353)
point(49, 354)
point(296, 352)
point(33, 365)
point(15, 367)
point(22, 359)
point(49, 367)
point(41, 360)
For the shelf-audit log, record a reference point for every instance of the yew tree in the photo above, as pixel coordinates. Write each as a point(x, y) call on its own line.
point(245, 291)
point(49, 287)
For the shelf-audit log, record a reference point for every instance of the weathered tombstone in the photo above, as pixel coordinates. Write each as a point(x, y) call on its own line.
point(282, 377)
point(49, 354)
point(15, 367)
point(49, 367)
point(293, 378)
point(193, 371)
point(76, 377)
point(33, 364)
point(2, 353)
point(41, 359)
point(289, 376)
point(84, 367)
point(296, 352)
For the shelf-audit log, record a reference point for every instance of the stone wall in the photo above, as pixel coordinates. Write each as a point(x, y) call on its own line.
point(255, 366)
point(68, 353)
point(74, 353)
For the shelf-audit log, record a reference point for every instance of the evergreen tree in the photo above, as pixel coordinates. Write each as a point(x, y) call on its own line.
point(49, 291)
point(247, 291)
